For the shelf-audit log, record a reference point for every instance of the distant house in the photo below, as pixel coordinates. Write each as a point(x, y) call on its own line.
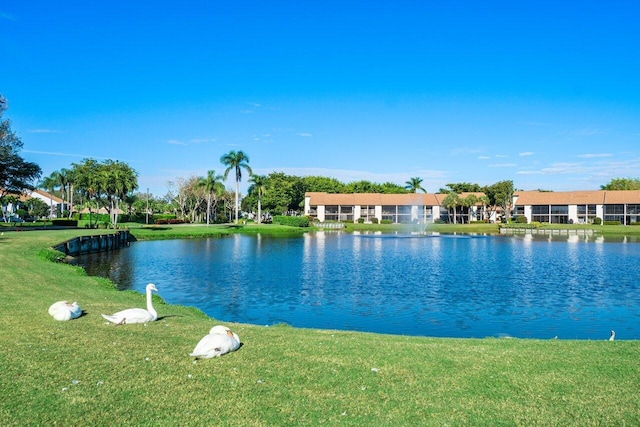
point(578, 207)
point(571, 207)
point(55, 203)
point(398, 208)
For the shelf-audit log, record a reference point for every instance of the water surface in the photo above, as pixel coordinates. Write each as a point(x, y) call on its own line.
point(443, 286)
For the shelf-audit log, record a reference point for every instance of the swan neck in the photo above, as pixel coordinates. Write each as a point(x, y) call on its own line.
point(150, 308)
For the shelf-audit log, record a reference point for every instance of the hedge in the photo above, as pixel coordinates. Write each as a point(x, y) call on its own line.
point(293, 221)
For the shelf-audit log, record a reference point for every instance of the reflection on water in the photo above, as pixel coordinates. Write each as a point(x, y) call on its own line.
point(435, 285)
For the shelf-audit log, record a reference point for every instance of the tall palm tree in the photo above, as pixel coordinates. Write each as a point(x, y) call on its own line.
point(50, 183)
point(237, 161)
point(212, 186)
point(66, 177)
point(414, 184)
point(259, 187)
point(452, 201)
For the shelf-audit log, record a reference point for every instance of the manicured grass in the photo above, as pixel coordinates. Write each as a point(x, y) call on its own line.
point(87, 372)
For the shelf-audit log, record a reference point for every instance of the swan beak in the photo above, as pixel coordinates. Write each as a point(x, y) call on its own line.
point(230, 333)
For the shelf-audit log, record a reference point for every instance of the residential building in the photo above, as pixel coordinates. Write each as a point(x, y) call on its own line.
point(417, 208)
point(571, 207)
point(55, 203)
point(578, 207)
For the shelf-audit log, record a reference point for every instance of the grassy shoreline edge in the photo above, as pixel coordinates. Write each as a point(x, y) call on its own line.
point(88, 372)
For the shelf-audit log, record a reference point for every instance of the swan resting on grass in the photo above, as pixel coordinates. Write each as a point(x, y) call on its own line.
point(613, 336)
point(219, 341)
point(135, 315)
point(65, 310)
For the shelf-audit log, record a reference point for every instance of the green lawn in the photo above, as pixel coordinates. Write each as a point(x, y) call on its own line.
point(87, 372)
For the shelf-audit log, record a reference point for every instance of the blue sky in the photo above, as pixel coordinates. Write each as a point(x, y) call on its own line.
point(544, 93)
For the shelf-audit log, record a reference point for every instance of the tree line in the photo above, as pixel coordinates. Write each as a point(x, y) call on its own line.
point(112, 185)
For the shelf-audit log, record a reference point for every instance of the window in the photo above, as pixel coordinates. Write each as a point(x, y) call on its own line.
point(404, 214)
point(367, 212)
point(614, 213)
point(346, 213)
point(633, 209)
point(389, 212)
point(331, 213)
point(540, 209)
point(540, 213)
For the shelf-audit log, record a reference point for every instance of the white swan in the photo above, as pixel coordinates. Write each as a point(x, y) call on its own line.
point(219, 341)
point(65, 310)
point(613, 336)
point(135, 315)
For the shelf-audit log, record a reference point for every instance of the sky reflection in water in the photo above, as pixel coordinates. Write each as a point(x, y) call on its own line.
point(445, 286)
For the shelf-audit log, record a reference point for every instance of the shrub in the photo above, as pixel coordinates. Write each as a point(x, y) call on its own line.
point(597, 221)
point(360, 220)
point(386, 221)
point(521, 219)
point(64, 222)
point(611, 223)
point(292, 221)
point(374, 220)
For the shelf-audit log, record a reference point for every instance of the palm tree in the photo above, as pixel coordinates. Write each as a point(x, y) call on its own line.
point(413, 185)
point(259, 187)
point(212, 185)
point(237, 161)
point(452, 201)
point(50, 183)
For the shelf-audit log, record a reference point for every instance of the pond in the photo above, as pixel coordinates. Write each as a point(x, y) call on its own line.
point(570, 287)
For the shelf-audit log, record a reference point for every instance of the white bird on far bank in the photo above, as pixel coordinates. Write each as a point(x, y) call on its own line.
point(65, 310)
point(220, 340)
point(136, 315)
point(613, 336)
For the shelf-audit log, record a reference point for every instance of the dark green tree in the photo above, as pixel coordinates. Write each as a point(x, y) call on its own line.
point(16, 175)
point(461, 187)
point(322, 184)
point(622, 184)
point(500, 196)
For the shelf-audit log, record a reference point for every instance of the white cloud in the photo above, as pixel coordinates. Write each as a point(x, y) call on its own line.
point(526, 153)
point(503, 165)
point(57, 153)
point(175, 142)
point(594, 155)
point(7, 16)
point(590, 131)
point(201, 140)
point(304, 134)
point(537, 124)
point(43, 131)
point(557, 169)
point(484, 157)
point(465, 151)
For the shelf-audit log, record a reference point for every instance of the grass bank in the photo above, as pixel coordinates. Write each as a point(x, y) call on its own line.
point(87, 372)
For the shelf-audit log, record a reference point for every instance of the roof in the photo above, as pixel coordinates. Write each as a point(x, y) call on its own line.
point(38, 194)
point(600, 197)
point(621, 197)
point(559, 198)
point(379, 199)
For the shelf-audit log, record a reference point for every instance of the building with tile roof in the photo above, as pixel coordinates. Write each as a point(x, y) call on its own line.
point(417, 208)
point(570, 207)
